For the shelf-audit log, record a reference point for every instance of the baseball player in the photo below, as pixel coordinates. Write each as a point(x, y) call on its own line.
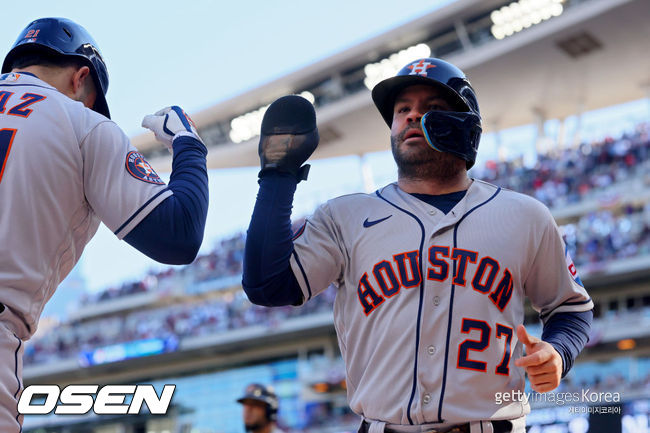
point(65, 166)
point(431, 271)
point(260, 409)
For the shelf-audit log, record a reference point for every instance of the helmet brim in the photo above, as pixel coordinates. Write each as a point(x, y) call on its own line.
point(101, 106)
point(248, 399)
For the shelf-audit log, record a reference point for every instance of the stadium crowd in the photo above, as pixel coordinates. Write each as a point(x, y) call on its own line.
point(569, 175)
point(561, 177)
point(226, 311)
point(606, 235)
point(225, 260)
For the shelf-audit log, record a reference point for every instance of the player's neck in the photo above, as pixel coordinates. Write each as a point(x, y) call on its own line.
point(54, 76)
point(434, 186)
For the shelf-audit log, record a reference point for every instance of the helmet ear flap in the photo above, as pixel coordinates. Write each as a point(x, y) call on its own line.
point(467, 93)
point(271, 413)
point(457, 133)
point(272, 404)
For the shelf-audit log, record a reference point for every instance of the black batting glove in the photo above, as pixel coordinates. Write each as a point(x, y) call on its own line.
point(289, 136)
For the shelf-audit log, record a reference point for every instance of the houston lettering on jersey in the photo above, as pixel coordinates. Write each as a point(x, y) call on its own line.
point(403, 272)
point(18, 109)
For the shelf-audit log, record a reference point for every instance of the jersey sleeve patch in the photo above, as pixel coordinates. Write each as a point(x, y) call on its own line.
point(139, 168)
point(572, 268)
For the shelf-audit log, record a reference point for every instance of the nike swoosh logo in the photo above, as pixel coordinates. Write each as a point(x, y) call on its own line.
point(367, 223)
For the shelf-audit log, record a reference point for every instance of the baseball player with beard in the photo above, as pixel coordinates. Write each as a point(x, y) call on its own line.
point(431, 270)
point(260, 405)
point(64, 167)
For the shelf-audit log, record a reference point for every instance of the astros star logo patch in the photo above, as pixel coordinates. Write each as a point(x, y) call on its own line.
point(139, 168)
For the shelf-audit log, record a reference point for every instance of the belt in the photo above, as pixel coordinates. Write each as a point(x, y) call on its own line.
point(498, 426)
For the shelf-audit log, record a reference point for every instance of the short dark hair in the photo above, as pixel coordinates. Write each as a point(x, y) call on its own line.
point(45, 57)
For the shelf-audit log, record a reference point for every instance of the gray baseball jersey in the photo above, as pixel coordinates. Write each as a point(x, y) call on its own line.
point(427, 303)
point(64, 168)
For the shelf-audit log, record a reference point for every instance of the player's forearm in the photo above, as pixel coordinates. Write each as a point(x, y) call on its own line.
point(267, 278)
point(173, 232)
point(568, 333)
point(189, 182)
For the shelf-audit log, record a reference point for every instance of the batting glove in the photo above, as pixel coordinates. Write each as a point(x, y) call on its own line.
point(289, 136)
point(169, 123)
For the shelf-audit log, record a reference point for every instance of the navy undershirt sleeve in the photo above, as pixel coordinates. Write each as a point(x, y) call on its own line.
point(172, 233)
point(568, 333)
point(267, 277)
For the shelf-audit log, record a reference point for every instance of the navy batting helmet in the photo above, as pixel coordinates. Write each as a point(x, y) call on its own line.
point(457, 132)
point(264, 394)
point(67, 38)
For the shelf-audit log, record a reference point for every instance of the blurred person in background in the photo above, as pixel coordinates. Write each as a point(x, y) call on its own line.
point(260, 409)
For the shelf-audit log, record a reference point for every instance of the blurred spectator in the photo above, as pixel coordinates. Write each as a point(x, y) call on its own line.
point(260, 409)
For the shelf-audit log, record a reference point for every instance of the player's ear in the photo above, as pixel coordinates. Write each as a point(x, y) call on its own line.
point(79, 78)
point(83, 86)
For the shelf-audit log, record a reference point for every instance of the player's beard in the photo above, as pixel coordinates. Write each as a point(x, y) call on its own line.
point(255, 426)
point(423, 162)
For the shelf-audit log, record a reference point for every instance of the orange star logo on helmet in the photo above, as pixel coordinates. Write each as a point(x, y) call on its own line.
point(420, 68)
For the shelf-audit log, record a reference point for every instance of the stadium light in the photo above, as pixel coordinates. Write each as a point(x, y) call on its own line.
point(626, 344)
point(388, 67)
point(321, 387)
point(248, 125)
point(523, 14)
